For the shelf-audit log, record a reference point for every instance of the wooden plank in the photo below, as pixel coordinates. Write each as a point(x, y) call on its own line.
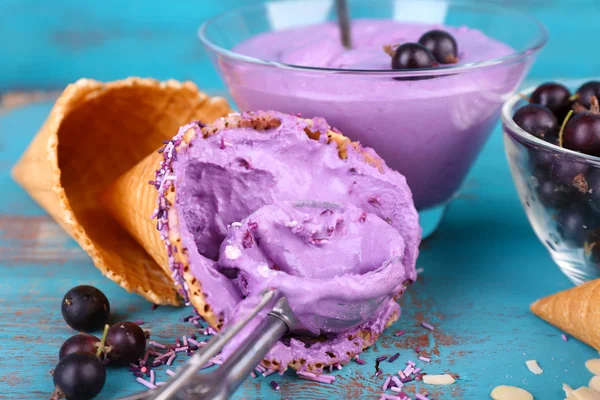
point(482, 269)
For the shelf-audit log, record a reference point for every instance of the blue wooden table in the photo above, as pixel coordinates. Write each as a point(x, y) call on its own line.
point(483, 267)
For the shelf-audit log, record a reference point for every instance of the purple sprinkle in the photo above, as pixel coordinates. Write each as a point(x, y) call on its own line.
point(274, 385)
point(171, 359)
point(418, 350)
point(427, 326)
point(359, 361)
point(564, 337)
point(169, 372)
point(390, 397)
point(397, 381)
point(157, 345)
point(138, 374)
point(139, 322)
point(386, 383)
point(152, 376)
point(380, 359)
point(166, 355)
point(407, 379)
point(146, 383)
point(399, 333)
point(379, 372)
point(425, 359)
point(268, 372)
point(394, 357)
point(182, 348)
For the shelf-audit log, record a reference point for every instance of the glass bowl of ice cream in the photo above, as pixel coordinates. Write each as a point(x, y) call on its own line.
point(429, 123)
point(554, 160)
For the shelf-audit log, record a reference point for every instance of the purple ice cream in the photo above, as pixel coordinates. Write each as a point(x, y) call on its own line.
point(430, 130)
point(247, 219)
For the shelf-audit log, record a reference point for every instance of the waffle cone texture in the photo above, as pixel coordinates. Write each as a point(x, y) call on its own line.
point(575, 311)
point(95, 133)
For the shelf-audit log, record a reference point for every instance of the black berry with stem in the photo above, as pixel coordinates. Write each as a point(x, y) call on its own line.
point(80, 376)
point(537, 120)
point(585, 93)
point(442, 45)
point(85, 308)
point(127, 342)
point(82, 342)
point(582, 132)
point(411, 56)
point(554, 96)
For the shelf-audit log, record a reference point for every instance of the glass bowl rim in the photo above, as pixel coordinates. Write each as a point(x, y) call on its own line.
point(538, 43)
point(506, 116)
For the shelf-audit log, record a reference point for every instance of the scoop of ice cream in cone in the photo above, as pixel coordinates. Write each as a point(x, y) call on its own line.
point(575, 311)
point(209, 178)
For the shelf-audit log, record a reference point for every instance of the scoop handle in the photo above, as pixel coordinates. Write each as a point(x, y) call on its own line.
point(222, 383)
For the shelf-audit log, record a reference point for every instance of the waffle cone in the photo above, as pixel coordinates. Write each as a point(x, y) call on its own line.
point(575, 311)
point(94, 133)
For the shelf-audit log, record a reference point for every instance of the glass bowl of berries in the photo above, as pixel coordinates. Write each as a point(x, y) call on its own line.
point(552, 140)
point(422, 83)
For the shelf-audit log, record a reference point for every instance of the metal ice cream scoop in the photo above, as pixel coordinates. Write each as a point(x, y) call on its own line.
point(222, 383)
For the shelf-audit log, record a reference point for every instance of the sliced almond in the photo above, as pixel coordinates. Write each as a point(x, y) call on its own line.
point(534, 367)
point(593, 365)
point(445, 379)
point(568, 389)
point(595, 384)
point(585, 393)
point(510, 393)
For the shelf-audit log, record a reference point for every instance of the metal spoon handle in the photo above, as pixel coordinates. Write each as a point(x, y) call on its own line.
point(222, 383)
point(201, 357)
point(344, 23)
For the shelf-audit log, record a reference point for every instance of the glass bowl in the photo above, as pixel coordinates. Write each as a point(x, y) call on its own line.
point(560, 192)
point(430, 130)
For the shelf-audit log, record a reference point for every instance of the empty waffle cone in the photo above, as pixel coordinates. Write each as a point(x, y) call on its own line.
point(94, 133)
point(575, 311)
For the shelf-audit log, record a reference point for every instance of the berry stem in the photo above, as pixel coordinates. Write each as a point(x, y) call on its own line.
point(594, 107)
point(390, 49)
point(575, 97)
point(101, 347)
point(57, 394)
point(562, 128)
point(526, 98)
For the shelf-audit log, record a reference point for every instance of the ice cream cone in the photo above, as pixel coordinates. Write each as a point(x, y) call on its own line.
point(134, 197)
point(575, 311)
point(131, 201)
point(94, 133)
